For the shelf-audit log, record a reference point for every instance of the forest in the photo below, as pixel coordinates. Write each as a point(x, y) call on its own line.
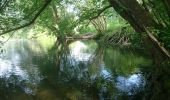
point(84, 49)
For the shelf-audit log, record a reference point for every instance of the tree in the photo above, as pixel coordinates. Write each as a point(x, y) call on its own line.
point(141, 21)
point(143, 15)
point(18, 14)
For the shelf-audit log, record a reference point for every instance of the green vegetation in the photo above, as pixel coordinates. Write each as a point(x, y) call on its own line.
point(138, 23)
point(142, 25)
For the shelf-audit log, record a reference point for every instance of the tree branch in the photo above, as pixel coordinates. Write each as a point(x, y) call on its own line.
point(100, 12)
point(47, 2)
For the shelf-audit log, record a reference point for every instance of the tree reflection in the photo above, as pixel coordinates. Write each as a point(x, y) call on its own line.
point(93, 70)
point(76, 70)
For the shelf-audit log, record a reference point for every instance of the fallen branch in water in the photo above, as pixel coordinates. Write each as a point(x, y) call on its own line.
point(86, 36)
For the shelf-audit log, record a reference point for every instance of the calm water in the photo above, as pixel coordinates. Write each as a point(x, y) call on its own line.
point(80, 70)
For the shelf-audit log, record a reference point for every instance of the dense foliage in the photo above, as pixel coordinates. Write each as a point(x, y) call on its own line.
point(140, 24)
point(69, 18)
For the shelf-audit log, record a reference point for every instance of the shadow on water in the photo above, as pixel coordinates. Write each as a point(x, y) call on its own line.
point(79, 70)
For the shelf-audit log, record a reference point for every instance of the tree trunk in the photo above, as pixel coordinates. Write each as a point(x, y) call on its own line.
point(141, 20)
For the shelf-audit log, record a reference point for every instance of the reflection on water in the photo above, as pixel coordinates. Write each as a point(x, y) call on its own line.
point(131, 84)
point(77, 51)
point(81, 70)
point(17, 69)
point(9, 68)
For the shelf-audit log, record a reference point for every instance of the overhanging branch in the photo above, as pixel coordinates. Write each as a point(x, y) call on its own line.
point(100, 12)
point(47, 2)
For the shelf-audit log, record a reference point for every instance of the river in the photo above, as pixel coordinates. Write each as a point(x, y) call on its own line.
point(79, 70)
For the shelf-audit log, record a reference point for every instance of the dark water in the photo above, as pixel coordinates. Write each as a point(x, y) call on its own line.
point(81, 70)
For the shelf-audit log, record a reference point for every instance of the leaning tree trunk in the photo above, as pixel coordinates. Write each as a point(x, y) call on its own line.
point(141, 20)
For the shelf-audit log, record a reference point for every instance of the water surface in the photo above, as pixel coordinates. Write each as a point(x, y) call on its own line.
point(80, 70)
